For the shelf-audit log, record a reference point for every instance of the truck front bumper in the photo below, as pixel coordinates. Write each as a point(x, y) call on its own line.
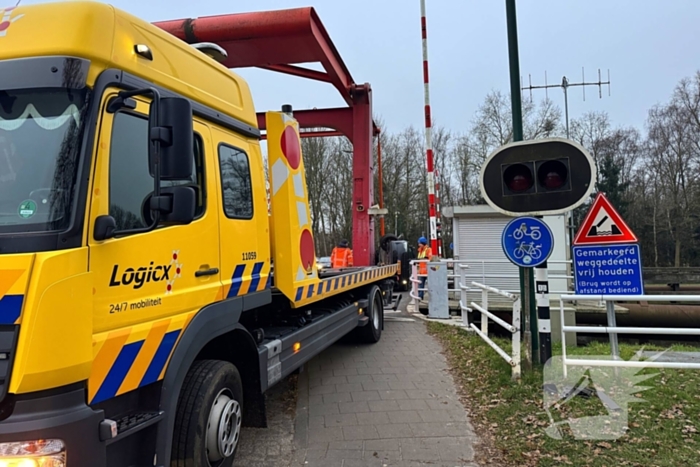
point(62, 415)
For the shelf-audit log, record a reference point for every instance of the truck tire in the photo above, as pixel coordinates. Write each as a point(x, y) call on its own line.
point(209, 414)
point(372, 331)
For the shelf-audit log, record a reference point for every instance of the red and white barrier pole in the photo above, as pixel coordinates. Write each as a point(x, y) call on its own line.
point(434, 244)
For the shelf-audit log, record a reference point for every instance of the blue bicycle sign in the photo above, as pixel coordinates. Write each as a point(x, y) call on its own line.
point(527, 241)
point(528, 252)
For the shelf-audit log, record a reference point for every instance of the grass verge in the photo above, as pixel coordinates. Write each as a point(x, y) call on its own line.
point(510, 417)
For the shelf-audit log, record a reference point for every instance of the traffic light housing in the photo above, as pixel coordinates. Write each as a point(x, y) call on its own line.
point(538, 177)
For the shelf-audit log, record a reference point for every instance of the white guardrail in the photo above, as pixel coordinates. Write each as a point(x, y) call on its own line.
point(460, 281)
point(415, 277)
point(514, 328)
point(465, 284)
point(613, 330)
point(477, 272)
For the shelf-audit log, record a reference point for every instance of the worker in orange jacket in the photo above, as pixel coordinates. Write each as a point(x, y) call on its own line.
point(341, 256)
point(424, 252)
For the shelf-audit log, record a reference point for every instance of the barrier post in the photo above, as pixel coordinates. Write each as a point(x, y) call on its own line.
point(463, 295)
point(485, 306)
point(414, 284)
point(516, 339)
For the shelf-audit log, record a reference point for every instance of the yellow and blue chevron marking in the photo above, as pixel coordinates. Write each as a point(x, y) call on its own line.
point(10, 308)
point(338, 284)
point(11, 296)
point(242, 284)
point(127, 359)
point(134, 357)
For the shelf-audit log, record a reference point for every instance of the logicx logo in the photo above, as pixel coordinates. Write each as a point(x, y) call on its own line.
point(6, 19)
point(137, 277)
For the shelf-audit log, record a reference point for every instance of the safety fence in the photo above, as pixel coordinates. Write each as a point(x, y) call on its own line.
point(462, 274)
point(514, 328)
point(416, 276)
point(493, 272)
point(462, 285)
point(613, 330)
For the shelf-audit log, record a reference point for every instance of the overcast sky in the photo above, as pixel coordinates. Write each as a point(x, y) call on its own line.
point(648, 46)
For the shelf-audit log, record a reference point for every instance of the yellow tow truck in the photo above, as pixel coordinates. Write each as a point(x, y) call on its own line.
point(140, 318)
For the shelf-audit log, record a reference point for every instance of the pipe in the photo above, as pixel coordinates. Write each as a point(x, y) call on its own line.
point(684, 316)
point(684, 289)
point(381, 183)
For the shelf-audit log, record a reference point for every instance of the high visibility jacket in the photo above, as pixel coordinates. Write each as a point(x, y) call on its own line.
point(341, 257)
point(424, 253)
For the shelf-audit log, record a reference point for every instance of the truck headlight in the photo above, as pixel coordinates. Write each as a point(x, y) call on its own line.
point(39, 453)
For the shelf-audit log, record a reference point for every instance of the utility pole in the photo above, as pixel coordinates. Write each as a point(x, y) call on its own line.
point(527, 295)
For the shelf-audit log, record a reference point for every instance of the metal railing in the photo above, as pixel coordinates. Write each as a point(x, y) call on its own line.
point(478, 267)
point(413, 293)
point(478, 273)
point(514, 328)
point(613, 330)
point(415, 276)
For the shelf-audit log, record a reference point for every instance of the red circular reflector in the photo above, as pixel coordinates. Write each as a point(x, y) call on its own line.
point(306, 249)
point(290, 147)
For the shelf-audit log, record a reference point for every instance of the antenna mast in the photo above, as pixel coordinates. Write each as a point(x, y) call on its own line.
point(565, 85)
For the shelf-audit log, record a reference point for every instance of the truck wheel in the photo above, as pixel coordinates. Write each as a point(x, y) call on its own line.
point(209, 414)
point(372, 331)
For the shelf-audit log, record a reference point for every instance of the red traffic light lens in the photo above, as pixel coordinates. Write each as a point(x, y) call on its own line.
point(518, 178)
point(552, 174)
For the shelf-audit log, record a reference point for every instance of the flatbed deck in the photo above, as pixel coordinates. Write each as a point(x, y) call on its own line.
point(332, 282)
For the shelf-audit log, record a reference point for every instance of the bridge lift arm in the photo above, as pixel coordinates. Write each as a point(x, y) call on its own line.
point(279, 41)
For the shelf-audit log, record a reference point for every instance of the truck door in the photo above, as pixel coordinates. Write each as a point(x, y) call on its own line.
point(244, 224)
point(146, 285)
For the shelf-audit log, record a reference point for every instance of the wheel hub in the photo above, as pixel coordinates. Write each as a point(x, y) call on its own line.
point(223, 427)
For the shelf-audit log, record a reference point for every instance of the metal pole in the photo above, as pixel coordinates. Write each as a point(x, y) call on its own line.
point(544, 321)
point(612, 322)
point(565, 85)
point(434, 244)
point(381, 184)
point(526, 279)
point(438, 219)
point(514, 61)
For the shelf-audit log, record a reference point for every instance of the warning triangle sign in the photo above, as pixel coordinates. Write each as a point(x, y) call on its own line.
point(603, 224)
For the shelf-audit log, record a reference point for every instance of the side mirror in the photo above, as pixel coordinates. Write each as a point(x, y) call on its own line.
point(176, 205)
point(170, 125)
point(105, 227)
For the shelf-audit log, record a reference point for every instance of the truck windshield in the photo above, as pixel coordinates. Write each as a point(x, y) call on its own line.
point(40, 138)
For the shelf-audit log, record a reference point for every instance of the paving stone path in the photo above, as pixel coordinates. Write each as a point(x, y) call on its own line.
point(393, 403)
